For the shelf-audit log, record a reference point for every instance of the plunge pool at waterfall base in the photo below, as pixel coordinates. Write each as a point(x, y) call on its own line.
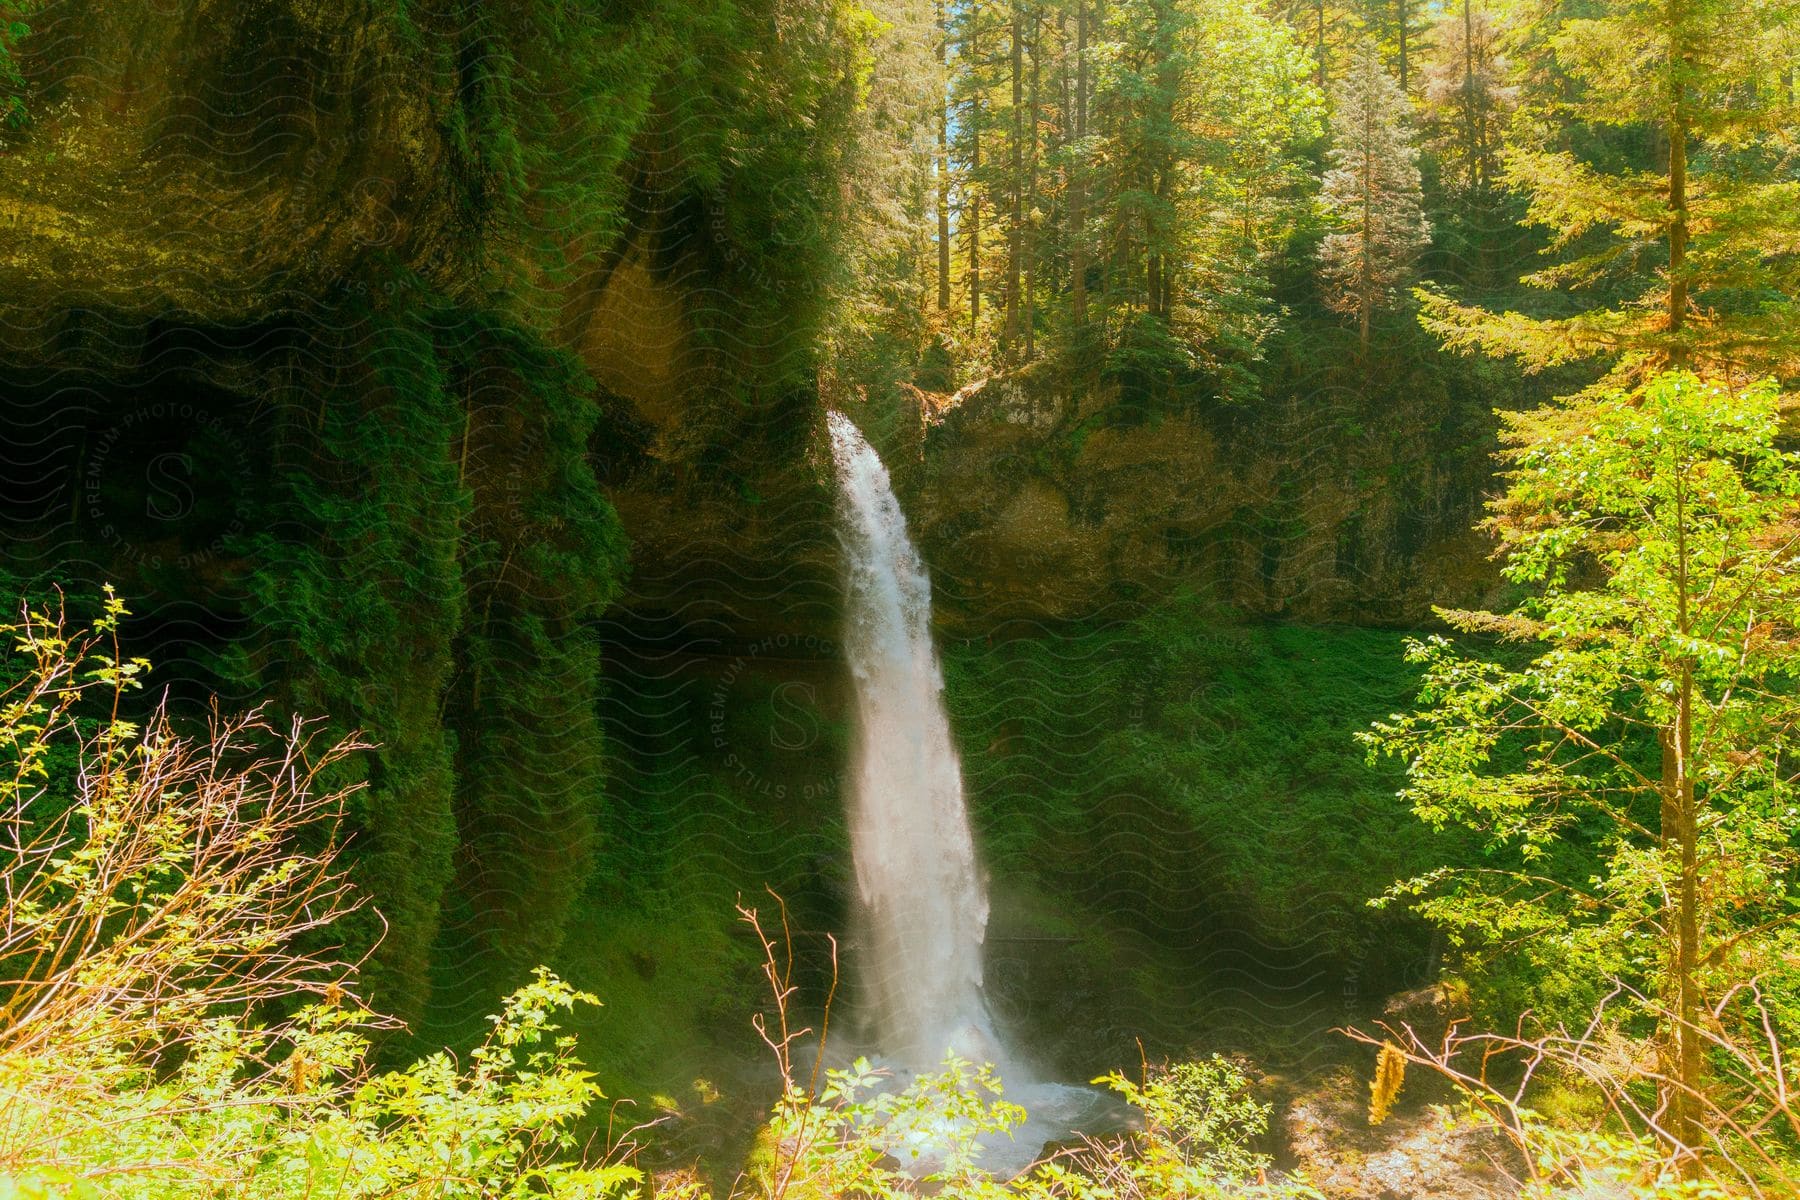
point(1055, 1113)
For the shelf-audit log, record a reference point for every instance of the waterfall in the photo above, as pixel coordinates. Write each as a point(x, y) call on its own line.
point(923, 908)
point(923, 911)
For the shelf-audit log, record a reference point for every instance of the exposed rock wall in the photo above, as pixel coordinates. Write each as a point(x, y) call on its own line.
point(1036, 502)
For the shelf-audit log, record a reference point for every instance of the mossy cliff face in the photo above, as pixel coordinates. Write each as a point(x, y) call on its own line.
point(719, 474)
point(726, 494)
point(218, 160)
point(215, 159)
point(329, 329)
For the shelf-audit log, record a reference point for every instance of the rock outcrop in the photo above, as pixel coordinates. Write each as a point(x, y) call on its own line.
point(1418, 1153)
point(1036, 502)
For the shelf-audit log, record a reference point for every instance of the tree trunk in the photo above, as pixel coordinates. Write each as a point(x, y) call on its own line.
point(1165, 271)
point(1077, 215)
point(1401, 6)
point(1469, 97)
point(1027, 239)
point(943, 162)
point(1365, 301)
point(1683, 1046)
point(1319, 5)
point(1015, 182)
point(973, 187)
point(1678, 203)
point(1690, 1058)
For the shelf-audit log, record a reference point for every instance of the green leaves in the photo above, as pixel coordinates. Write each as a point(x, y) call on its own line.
point(499, 1129)
point(1677, 264)
point(1371, 193)
point(1657, 530)
point(1199, 1114)
point(13, 30)
point(932, 1128)
point(1198, 1126)
point(176, 1018)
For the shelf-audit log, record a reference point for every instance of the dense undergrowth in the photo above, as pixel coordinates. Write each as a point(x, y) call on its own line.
point(180, 1021)
point(1215, 762)
point(181, 1018)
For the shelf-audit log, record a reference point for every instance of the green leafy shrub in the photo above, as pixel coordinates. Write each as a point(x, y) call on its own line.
point(175, 1020)
point(1203, 1109)
point(859, 1138)
point(13, 29)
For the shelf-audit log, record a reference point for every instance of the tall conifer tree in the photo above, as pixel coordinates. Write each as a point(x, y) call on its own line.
point(1371, 193)
point(1691, 244)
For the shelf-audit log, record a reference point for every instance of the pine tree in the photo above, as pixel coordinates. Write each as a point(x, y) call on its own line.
point(975, 121)
point(894, 177)
point(1399, 28)
point(1656, 144)
point(1406, 29)
point(1110, 177)
point(1467, 99)
point(1371, 193)
point(1328, 30)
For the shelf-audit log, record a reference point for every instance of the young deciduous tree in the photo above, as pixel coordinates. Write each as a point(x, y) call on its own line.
point(1371, 193)
point(1654, 721)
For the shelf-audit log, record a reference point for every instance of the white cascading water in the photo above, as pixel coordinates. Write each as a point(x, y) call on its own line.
point(924, 912)
point(923, 908)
